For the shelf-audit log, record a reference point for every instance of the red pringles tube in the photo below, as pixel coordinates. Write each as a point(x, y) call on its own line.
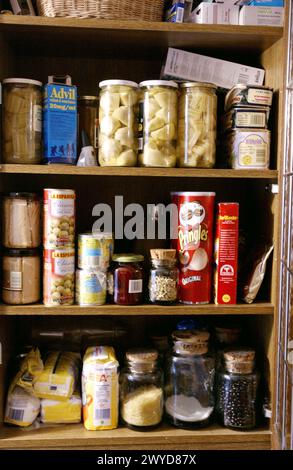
point(226, 253)
point(194, 245)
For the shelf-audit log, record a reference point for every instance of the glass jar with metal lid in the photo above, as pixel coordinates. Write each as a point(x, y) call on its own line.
point(88, 123)
point(197, 125)
point(157, 123)
point(164, 274)
point(141, 390)
point(189, 380)
point(22, 121)
point(126, 279)
point(118, 123)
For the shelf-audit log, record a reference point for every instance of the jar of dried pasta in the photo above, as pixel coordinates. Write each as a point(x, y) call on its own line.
point(22, 121)
point(118, 123)
point(197, 125)
point(157, 123)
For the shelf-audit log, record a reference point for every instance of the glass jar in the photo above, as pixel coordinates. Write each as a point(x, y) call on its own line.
point(21, 220)
point(189, 380)
point(141, 390)
point(197, 125)
point(88, 122)
point(118, 123)
point(126, 279)
point(164, 274)
point(22, 121)
point(237, 390)
point(157, 123)
point(21, 277)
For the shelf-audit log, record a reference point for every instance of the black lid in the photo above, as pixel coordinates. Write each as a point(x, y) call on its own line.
point(18, 252)
point(23, 195)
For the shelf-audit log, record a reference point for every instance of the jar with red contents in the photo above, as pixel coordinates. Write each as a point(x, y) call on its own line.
point(126, 279)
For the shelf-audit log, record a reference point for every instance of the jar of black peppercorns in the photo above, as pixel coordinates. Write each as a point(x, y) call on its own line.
point(237, 390)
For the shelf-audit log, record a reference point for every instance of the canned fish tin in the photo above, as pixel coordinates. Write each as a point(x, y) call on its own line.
point(95, 250)
point(246, 117)
point(59, 269)
point(248, 148)
point(59, 218)
point(91, 287)
point(248, 95)
point(194, 244)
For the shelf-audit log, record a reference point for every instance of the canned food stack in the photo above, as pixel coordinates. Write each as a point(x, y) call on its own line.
point(245, 126)
point(59, 252)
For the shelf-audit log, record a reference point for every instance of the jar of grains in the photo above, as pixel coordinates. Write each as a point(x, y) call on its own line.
point(197, 125)
point(157, 123)
point(118, 123)
point(125, 281)
point(164, 273)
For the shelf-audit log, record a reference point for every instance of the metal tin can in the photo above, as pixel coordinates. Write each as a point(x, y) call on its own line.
point(248, 148)
point(246, 117)
point(249, 94)
point(59, 218)
point(91, 287)
point(194, 245)
point(58, 281)
point(95, 250)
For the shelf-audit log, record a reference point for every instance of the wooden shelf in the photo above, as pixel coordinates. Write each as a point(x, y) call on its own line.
point(136, 171)
point(130, 38)
point(166, 437)
point(148, 310)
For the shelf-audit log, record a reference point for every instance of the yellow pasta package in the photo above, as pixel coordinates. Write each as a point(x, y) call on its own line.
point(100, 388)
point(61, 412)
point(30, 369)
point(22, 408)
point(59, 377)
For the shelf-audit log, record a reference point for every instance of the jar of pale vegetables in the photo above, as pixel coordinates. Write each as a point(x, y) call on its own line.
point(118, 123)
point(157, 123)
point(197, 126)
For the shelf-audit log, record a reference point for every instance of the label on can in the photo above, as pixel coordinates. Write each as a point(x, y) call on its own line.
point(59, 218)
point(59, 269)
point(194, 245)
point(91, 287)
point(94, 251)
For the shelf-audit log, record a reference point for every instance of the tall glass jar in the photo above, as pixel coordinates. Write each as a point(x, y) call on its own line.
point(157, 123)
point(22, 121)
point(164, 274)
point(237, 391)
point(125, 281)
point(197, 126)
point(141, 390)
point(88, 122)
point(189, 380)
point(118, 123)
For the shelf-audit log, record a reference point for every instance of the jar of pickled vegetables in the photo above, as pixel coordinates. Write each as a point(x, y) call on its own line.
point(157, 123)
point(118, 123)
point(197, 125)
point(22, 121)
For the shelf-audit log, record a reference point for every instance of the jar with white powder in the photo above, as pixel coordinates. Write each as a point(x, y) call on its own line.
point(189, 380)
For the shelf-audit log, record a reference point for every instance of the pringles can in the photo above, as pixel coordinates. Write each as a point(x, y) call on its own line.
point(194, 222)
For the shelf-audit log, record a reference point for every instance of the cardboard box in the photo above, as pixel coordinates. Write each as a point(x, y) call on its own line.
point(261, 16)
point(214, 13)
point(60, 122)
point(175, 11)
point(226, 253)
point(187, 66)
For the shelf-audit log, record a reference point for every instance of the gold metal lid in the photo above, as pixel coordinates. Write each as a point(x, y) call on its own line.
point(127, 258)
point(198, 84)
point(88, 97)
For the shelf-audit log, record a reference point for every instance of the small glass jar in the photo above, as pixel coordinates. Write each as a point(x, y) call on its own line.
point(21, 277)
point(141, 390)
point(22, 121)
point(125, 284)
point(164, 274)
point(21, 220)
point(189, 380)
point(157, 123)
point(237, 391)
point(118, 123)
point(197, 125)
point(88, 122)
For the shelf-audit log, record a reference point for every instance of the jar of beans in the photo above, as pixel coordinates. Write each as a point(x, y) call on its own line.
point(164, 273)
point(237, 390)
point(125, 281)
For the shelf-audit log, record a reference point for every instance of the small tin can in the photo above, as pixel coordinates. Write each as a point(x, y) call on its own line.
point(249, 95)
point(246, 116)
point(58, 280)
point(248, 148)
point(95, 250)
point(59, 218)
point(91, 287)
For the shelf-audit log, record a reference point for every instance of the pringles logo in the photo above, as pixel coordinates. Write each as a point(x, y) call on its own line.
point(191, 232)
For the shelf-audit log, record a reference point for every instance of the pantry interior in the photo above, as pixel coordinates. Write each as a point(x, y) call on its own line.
point(90, 51)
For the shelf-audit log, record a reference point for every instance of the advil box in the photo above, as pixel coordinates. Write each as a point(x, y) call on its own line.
point(60, 121)
point(226, 253)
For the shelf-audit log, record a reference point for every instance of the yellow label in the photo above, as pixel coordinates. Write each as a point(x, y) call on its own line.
point(226, 298)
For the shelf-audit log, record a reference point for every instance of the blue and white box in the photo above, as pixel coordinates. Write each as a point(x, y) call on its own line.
point(175, 11)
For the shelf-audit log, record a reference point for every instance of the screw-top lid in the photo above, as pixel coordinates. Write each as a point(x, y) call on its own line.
point(88, 98)
point(191, 342)
point(239, 361)
point(118, 82)
point(20, 252)
point(27, 196)
point(197, 84)
point(127, 258)
point(169, 83)
point(24, 81)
